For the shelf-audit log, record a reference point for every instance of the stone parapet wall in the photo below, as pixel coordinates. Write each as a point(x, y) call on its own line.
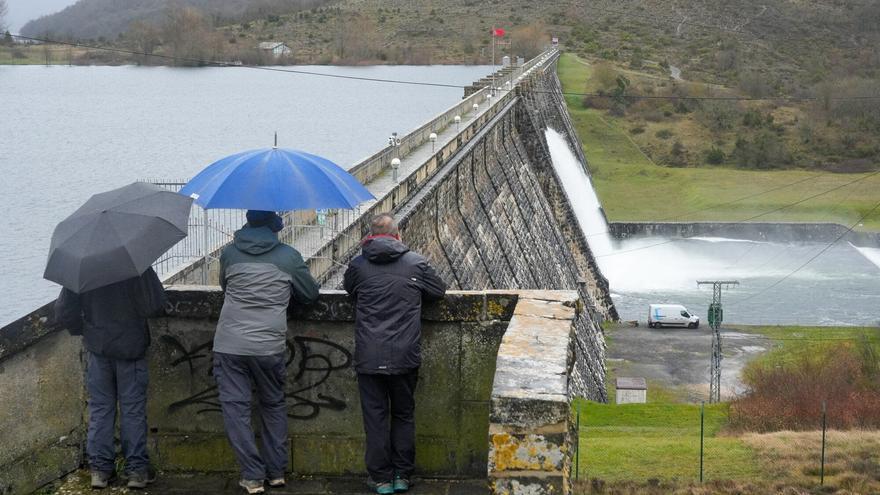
point(43, 418)
point(42, 407)
point(532, 431)
point(460, 339)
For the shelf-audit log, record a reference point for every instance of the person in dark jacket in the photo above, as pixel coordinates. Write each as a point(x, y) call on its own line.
point(113, 323)
point(259, 275)
point(388, 283)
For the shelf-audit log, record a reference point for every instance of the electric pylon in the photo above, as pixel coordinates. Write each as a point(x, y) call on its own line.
point(715, 317)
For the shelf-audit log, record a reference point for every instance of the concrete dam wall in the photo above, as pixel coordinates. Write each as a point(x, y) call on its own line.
point(753, 231)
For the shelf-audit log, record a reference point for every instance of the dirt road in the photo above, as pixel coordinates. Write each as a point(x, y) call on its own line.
point(678, 358)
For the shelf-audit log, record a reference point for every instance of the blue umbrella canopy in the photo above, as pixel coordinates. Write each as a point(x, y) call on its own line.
point(275, 179)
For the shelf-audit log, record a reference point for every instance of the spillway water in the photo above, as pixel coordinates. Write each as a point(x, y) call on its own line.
point(840, 287)
point(580, 192)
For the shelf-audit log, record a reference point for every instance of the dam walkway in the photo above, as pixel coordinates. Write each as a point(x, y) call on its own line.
point(223, 484)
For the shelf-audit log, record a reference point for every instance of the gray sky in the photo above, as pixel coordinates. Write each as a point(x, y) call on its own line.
point(21, 11)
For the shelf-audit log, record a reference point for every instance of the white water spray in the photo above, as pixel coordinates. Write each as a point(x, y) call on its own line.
point(580, 193)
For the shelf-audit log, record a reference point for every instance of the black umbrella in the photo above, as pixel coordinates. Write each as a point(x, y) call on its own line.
point(116, 235)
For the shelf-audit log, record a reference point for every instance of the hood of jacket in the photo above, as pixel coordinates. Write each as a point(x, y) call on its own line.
point(255, 240)
point(383, 249)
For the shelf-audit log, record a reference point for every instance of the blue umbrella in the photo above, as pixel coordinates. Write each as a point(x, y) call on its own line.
point(275, 179)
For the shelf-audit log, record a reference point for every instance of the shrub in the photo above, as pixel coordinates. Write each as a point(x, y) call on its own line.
point(664, 134)
point(715, 156)
point(788, 395)
point(754, 119)
point(677, 155)
point(765, 151)
point(718, 115)
point(639, 129)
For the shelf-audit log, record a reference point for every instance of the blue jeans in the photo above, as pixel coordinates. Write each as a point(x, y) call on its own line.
point(234, 374)
point(110, 381)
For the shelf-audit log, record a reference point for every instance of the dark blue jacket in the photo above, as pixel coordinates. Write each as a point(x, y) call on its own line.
point(113, 319)
point(388, 283)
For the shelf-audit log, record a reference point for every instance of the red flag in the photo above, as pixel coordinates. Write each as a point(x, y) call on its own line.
point(499, 32)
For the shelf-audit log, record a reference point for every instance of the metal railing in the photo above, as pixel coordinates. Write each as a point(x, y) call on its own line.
point(211, 230)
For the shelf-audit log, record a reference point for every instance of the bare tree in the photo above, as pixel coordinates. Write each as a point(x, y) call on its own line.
point(144, 37)
point(189, 37)
point(4, 9)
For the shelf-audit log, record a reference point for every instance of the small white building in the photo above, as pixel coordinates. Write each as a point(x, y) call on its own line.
point(631, 390)
point(276, 48)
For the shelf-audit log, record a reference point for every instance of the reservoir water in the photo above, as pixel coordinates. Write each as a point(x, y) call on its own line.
point(840, 287)
point(69, 132)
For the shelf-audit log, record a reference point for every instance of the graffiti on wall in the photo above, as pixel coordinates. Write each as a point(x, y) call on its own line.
point(311, 362)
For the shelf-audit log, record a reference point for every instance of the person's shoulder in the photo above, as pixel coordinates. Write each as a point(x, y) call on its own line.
point(414, 257)
point(357, 261)
point(286, 253)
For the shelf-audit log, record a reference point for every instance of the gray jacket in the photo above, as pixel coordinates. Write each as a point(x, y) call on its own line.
point(259, 275)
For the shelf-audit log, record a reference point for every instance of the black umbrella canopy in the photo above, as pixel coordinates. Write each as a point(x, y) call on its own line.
point(116, 235)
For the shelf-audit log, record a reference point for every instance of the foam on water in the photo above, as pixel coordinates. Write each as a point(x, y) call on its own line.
point(871, 254)
point(725, 239)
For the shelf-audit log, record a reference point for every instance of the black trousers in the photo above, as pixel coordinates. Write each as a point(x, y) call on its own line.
point(388, 406)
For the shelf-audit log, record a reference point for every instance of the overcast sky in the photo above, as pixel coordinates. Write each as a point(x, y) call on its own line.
point(21, 11)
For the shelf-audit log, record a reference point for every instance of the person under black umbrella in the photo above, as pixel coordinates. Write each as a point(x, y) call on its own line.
point(101, 255)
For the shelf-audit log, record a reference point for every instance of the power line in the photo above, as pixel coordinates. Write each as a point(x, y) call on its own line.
point(820, 253)
point(872, 174)
point(214, 63)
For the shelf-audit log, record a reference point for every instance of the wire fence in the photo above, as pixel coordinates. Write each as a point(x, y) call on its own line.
point(662, 448)
point(209, 231)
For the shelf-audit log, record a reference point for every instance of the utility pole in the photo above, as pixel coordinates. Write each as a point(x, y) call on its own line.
point(716, 316)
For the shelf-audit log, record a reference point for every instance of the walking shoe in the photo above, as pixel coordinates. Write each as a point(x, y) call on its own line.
point(401, 484)
point(140, 479)
point(384, 488)
point(277, 482)
point(101, 479)
point(252, 486)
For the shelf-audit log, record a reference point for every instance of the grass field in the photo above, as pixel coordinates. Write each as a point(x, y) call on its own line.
point(38, 54)
point(639, 442)
point(794, 342)
point(632, 188)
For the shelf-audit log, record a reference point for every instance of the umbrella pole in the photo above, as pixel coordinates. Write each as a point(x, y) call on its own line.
point(205, 264)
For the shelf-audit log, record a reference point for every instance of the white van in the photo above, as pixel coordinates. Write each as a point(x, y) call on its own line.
point(668, 315)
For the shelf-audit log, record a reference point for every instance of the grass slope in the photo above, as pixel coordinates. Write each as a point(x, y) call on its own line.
point(639, 442)
point(633, 188)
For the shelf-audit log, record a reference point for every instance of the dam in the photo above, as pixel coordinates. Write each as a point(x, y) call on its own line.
point(516, 340)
